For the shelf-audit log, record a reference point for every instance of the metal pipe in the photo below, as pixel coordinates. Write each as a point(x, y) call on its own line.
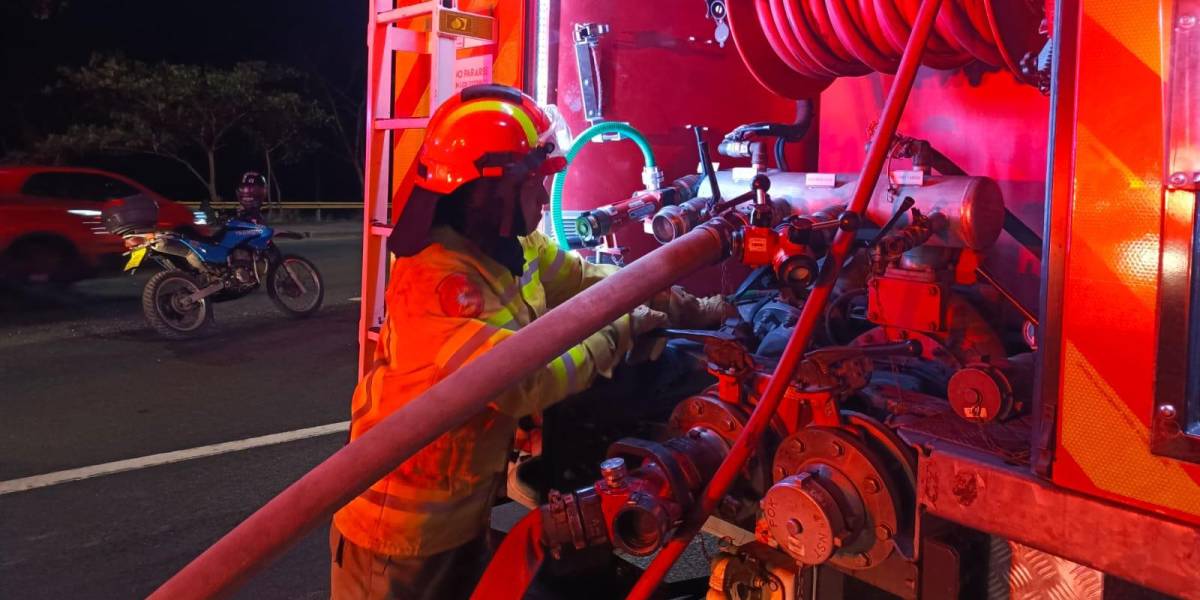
point(992, 281)
point(1028, 238)
point(449, 404)
point(814, 307)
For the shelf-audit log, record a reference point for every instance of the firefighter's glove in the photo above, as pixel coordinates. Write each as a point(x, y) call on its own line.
point(645, 348)
point(686, 311)
point(615, 342)
point(645, 319)
point(712, 311)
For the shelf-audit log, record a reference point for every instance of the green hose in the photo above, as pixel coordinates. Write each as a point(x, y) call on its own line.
point(560, 178)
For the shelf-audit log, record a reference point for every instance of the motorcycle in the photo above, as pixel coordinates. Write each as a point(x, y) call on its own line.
point(200, 271)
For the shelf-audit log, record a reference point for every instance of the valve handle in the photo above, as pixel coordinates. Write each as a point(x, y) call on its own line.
point(723, 348)
point(706, 164)
point(718, 208)
point(908, 348)
point(834, 354)
point(847, 221)
point(696, 335)
point(756, 277)
point(800, 228)
point(905, 204)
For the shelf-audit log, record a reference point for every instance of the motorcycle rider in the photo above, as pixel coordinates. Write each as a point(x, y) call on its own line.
point(251, 194)
point(470, 270)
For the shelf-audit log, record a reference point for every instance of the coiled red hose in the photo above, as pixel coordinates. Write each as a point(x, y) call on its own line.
point(796, 48)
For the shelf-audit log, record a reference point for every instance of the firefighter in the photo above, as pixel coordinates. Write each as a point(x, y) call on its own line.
point(251, 194)
point(470, 270)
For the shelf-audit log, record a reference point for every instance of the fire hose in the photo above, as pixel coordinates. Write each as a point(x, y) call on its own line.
point(515, 563)
point(814, 307)
point(798, 47)
point(449, 404)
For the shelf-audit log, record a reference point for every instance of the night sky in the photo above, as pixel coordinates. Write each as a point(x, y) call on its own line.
point(321, 36)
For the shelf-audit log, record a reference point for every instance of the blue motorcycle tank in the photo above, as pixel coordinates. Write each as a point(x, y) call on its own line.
point(236, 233)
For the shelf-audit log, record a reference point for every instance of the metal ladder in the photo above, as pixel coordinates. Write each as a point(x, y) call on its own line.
point(414, 31)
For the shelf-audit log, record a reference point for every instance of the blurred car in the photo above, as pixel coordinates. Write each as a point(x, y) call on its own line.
point(50, 227)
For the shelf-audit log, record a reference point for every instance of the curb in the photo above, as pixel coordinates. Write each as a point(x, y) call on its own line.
point(321, 235)
point(313, 235)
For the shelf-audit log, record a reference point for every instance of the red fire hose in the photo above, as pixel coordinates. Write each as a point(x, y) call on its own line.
point(443, 407)
point(516, 562)
point(796, 48)
point(814, 306)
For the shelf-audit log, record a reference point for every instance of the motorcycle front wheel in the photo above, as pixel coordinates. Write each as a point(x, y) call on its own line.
point(295, 286)
point(170, 311)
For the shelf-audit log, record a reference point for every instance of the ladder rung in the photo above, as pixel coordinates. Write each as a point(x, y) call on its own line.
point(373, 334)
point(405, 12)
point(381, 230)
point(409, 123)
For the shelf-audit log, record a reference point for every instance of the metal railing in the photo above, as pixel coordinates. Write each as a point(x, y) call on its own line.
point(226, 204)
point(318, 211)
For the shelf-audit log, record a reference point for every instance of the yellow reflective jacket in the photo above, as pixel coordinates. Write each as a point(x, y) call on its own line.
point(445, 306)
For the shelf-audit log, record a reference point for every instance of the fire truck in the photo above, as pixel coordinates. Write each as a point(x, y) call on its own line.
point(960, 237)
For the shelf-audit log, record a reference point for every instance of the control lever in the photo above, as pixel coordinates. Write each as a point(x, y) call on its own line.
point(848, 366)
point(718, 208)
point(910, 348)
point(893, 245)
point(706, 165)
point(726, 351)
point(754, 278)
point(760, 211)
point(905, 205)
point(847, 221)
point(833, 354)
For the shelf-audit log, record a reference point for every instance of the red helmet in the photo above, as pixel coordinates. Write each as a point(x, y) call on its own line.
point(484, 131)
point(481, 132)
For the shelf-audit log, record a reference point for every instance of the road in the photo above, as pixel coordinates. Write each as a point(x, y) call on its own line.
point(84, 382)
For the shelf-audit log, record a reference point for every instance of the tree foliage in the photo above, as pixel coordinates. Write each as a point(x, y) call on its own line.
point(281, 128)
point(347, 106)
point(184, 113)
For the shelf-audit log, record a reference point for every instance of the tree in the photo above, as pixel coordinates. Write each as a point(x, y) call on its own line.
point(184, 113)
point(347, 107)
point(281, 127)
point(38, 9)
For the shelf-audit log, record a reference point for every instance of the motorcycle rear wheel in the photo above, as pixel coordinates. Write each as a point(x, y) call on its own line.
point(168, 310)
point(295, 286)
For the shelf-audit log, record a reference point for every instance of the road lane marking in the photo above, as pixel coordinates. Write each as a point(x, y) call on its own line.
point(355, 299)
point(165, 458)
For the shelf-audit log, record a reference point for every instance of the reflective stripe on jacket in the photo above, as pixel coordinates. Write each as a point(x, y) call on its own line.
point(445, 306)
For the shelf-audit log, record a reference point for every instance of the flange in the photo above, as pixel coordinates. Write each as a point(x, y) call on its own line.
point(818, 465)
